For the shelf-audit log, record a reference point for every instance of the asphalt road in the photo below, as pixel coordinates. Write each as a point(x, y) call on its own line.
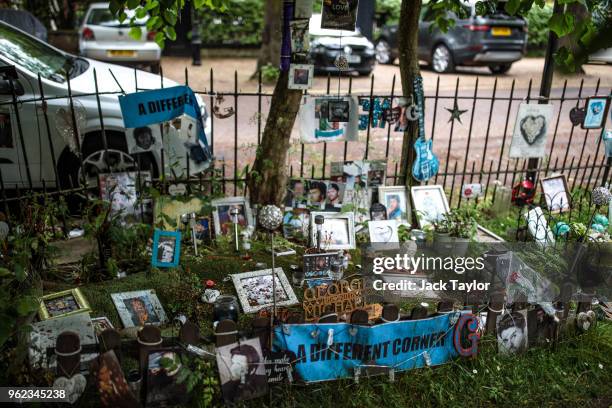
point(453, 142)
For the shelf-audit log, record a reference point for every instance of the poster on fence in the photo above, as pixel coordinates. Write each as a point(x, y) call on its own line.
point(333, 351)
point(339, 14)
point(530, 129)
point(328, 119)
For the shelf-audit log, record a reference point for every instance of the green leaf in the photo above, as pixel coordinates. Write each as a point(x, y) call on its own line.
point(160, 39)
point(141, 12)
point(136, 33)
point(6, 326)
point(512, 6)
point(170, 33)
point(561, 24)
point(132, 4)
point(4, 272)
point(150, 5)
point(114, 7)
point(26, 305)
point(20, 274)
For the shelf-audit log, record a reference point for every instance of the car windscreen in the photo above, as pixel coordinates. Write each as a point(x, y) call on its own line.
point(37, 57)
point(103, 17)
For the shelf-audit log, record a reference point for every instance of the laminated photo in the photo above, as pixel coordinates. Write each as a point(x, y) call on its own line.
point(530, 130)
point(317, 126)
point(339, 14)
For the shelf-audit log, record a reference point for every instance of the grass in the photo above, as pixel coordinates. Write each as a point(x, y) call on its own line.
point(577, 372)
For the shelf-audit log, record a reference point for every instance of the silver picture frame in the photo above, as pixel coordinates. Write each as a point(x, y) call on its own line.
point(254, 289)
point(423, 210)
point(330, 218)
point(217, 215)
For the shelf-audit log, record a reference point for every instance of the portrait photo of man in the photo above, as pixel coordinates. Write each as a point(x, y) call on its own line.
point(243, 376)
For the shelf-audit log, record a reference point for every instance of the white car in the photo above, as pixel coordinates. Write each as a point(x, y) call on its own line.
point(602, 56)
point(103, 37)
point(126, 148)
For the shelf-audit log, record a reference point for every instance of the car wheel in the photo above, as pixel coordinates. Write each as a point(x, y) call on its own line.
point(97, 159)
point(499, 69)
point(384, 55)
point(442, 59)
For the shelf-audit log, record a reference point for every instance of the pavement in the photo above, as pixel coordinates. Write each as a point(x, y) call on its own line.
point(463, 144)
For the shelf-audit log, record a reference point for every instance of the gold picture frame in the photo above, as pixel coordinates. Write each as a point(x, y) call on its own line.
point(71, 299)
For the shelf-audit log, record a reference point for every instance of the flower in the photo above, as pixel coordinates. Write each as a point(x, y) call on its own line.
point(601, 196)
point(600, 366)
point(475, 371)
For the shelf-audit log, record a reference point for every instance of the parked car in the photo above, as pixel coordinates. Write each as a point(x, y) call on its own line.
point(495, 40)
point(602, 56)
point(104, 38)
point(327, 45)
point(24, 20)
point(32, 57)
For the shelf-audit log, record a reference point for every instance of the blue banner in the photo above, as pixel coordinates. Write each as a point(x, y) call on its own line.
point(161, 105)
point(332, 351)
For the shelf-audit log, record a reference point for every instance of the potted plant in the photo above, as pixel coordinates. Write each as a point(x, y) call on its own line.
point(442, 234)
point(462, 227)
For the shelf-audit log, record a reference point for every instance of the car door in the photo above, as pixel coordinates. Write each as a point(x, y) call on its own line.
point(424, 37)
point(13, 165)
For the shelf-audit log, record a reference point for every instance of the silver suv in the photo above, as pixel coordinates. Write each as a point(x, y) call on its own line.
point(104, 38)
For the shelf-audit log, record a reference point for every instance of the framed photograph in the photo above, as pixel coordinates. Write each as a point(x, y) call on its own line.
point(512, 332)
point(203, 228)
point(339, 111)
point(300, 40)
point(556, 193)
point(166, 249)
point(111, 383)
point(300, 76)
point(101, 323)
point(162, 387)
point(358, 174)
point(334, 196)
point(337, 232)
point(430, 204)
point(296, 223)
point(596, 112)
point(255, 289)
point(60, 304)
point(383, 232)
point(395, 201)
point(339, 14)
point(139, 308)
point(242, 371)
point(223, 218)
point(317, 268)
point(123, 191)
point(530, 129)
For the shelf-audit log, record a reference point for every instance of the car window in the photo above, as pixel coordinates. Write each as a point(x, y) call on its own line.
point(37, 57)
point(103, 17)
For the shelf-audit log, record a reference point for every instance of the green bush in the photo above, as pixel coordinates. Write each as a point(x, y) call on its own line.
point(537, 22)
point(240, 25)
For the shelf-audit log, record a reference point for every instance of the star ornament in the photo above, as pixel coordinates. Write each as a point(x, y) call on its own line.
point(456, 113)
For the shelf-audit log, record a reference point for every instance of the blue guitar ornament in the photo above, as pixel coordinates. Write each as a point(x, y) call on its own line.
point(426, 164)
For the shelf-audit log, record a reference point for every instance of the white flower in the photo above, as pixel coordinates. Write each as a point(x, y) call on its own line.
point(600, 366)
point(475, 371)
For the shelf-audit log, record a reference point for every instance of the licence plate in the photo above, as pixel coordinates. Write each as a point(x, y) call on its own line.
point(121, 53)
point(501, 31)
point(353, 59)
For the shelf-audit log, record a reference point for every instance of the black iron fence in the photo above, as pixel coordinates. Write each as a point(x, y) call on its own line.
point(472, 149)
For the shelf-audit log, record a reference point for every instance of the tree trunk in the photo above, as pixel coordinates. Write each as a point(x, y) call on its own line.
point(268, 178)
point(408, 33)
point(270, 50)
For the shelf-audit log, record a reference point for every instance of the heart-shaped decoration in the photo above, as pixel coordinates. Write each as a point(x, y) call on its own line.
point(533, 128)
point(74, 386)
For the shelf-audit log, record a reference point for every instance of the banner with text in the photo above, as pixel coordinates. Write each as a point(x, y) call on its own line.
point(332, 351)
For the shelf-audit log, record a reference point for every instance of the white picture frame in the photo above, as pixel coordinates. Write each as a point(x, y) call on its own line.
point(430, 203)
point(341, 223)
point(384, 232)
point(124, 303)
point(386, 195)
point(254, 289)
point(556, 194)
point(530, 130)
point(223, 219)
point(300, 76)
